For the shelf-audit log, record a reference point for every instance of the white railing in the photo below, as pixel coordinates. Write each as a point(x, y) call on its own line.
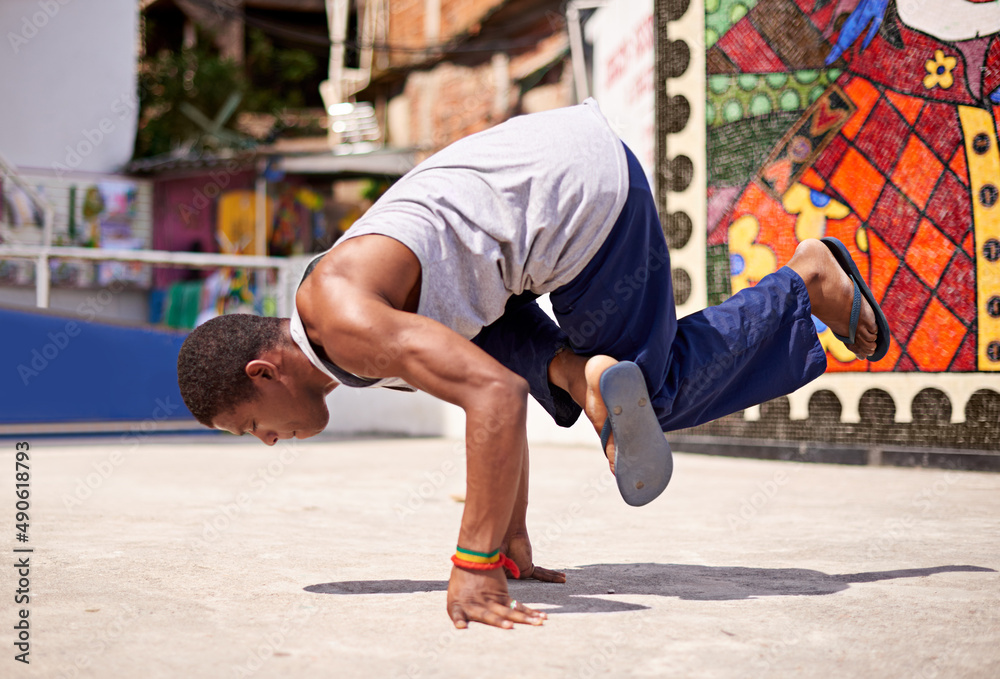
point(41, 281)
point(41, 254)
point(190, 260)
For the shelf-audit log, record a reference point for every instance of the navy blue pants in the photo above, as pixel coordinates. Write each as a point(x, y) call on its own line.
point(757, 345)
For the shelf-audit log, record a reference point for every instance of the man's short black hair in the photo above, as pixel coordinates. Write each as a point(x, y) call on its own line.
point(211, 366)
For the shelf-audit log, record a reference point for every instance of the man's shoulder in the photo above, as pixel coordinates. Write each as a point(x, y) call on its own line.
point(362, 268)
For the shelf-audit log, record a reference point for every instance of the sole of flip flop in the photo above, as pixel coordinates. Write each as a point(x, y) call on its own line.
point(846, 262)
point(643, 461)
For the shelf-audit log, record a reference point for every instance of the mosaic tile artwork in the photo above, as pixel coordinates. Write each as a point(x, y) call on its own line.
point(874, 121)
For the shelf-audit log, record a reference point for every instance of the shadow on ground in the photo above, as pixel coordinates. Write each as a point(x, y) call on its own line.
point(585, 585)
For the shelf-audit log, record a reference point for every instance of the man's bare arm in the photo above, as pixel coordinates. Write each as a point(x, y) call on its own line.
point(516, 543)
point(363, 333)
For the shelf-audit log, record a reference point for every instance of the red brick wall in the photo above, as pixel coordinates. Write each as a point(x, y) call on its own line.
point(450, 102)
point(407, 24)
point(469, 91)
point(459, 15)
point(406, 27)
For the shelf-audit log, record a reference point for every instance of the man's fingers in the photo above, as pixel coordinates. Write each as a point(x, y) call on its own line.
point(521, 614)
point(458, 616)
point(531, 612)
point(546, 575)
point(494, 614)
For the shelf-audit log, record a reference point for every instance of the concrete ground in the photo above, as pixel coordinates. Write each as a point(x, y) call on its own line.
point(219, 557)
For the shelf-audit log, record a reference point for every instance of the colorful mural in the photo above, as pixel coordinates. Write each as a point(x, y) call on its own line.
point(875, 122)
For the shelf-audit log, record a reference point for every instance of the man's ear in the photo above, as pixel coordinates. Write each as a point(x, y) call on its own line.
point(259, 369)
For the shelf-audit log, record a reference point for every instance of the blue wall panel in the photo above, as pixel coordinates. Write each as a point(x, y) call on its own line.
point(65, 369)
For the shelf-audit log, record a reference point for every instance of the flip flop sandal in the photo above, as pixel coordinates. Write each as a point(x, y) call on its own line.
point(643, 462)
point(861, 289)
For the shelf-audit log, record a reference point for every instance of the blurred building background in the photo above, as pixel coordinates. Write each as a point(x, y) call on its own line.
point(255, 127)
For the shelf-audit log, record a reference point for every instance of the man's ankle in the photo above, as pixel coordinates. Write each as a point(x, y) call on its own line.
point(566, 371)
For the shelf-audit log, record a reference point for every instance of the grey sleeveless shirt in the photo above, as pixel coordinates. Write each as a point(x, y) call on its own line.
point(520, 207)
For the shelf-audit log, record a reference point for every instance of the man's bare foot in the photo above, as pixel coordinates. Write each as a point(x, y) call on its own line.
point(580, 376)
point(831, 293)
point(593, 405)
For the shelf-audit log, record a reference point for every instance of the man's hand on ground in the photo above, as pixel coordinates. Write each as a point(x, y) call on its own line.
point(518, 548)
point(481, 596)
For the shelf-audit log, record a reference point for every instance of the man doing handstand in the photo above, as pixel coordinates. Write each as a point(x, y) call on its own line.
point(434, 289)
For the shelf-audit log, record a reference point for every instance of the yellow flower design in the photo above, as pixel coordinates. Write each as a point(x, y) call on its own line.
point(831, 344)
point(813, 209)
point(861, 238)
point(748, 261)
point(939, 71)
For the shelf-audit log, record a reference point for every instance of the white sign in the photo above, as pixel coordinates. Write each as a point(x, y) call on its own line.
point(623, 33)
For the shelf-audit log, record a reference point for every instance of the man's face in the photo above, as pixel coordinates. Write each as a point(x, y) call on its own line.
point(277, 413)
point(951, 20)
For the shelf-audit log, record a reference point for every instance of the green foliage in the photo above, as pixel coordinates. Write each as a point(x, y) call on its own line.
point(373, 189)
point(276, 74)
point(268, 83)
point(168, 79)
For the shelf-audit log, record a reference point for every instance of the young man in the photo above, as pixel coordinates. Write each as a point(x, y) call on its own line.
point(434, 290)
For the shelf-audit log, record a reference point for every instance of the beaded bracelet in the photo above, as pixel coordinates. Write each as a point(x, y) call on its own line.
point(479, 561)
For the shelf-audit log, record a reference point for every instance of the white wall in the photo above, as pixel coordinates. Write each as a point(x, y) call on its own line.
point(131, 306)
point(383, 411)
point(68, 78)
point(624, 37)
